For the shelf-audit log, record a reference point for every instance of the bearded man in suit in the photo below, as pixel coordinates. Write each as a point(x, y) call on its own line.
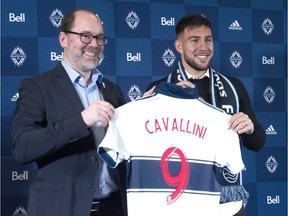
point(61, 117)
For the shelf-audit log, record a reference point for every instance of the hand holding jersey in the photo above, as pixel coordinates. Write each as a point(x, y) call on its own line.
point(173, 166)
point(240, 122)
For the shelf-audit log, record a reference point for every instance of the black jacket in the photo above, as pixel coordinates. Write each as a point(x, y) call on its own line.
point(48, 129)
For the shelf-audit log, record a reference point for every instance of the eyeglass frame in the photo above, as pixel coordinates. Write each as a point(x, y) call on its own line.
point(104, 38)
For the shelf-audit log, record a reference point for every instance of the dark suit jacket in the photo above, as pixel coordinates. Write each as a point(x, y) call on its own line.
point(48, 129)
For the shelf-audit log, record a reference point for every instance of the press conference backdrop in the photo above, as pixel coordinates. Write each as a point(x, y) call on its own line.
point(250, 43)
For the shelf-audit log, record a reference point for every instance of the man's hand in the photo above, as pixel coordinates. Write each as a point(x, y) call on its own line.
point(241, 123)
point(98, 111)
point(185, 84)
point(149, 92)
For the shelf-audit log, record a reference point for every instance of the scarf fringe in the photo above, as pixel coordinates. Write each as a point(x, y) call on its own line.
point(233, 193)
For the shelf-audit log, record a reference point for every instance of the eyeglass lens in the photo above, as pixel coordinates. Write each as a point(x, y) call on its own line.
point(87, 38)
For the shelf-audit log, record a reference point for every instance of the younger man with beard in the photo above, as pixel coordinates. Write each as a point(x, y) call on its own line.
point(194, 41)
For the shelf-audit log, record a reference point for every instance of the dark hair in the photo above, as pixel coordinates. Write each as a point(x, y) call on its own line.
point(191, 21)
point(68, 20)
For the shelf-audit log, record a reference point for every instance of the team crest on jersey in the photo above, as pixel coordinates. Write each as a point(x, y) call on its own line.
point(228, 176)
point(132, 20)
point(56, 17)
point(168, 57)
point(18, 56)
point(134, 92)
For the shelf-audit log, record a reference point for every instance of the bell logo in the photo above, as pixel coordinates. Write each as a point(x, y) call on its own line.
point(273, 200)
point(269, 61)
point(167, 22)
point(15, 18)
point(135, 58)
point(19, 176)
point(55, 57)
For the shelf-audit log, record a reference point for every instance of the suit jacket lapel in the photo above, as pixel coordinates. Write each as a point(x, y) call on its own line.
point(67, 87)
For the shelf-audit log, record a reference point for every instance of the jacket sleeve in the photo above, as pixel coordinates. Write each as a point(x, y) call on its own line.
point(257, 139)
point(34, 137)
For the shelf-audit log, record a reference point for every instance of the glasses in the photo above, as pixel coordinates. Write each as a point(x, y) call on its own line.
point(87, 38)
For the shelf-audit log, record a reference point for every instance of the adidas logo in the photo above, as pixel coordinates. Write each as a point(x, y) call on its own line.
point(270, 131)
point(235, 26)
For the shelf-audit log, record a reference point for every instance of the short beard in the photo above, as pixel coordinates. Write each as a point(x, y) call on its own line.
point(196, 66)
point(88, 66)
point(93, 65)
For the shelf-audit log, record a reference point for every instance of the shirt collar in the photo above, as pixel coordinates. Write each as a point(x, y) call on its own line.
point(74, 76)
point(206, 74)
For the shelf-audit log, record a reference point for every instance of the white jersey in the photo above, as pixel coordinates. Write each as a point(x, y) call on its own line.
point(174, 149)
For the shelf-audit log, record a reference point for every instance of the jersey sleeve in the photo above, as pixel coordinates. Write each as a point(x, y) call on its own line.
point(231, 152)
point(112, 149)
